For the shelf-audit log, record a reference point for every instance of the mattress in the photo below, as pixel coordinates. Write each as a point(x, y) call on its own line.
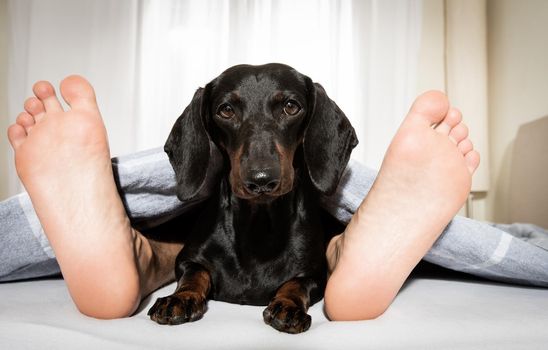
point(441, 310)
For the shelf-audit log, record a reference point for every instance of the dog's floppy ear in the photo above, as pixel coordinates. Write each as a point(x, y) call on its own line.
point(189, 148)
point(328, 141)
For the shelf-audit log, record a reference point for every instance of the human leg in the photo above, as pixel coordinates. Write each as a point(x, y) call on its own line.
point(63, 160)
point(150, 199)
point(507, 253)
point(424, 180)
point(24, 249)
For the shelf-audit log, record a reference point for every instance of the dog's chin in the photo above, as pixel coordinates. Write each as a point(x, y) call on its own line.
point(256, 198)
point(261, 198)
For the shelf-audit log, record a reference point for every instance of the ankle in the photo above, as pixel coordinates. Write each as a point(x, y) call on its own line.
point(156, 261)
point(333, 251)
point(147, 262)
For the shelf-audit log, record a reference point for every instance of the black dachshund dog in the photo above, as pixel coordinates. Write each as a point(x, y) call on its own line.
point(259, 240)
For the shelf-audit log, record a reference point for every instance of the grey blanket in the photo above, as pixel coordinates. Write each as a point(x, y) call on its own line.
point(508, 253)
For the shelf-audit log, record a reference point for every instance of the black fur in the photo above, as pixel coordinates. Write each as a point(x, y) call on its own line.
point(259, 240)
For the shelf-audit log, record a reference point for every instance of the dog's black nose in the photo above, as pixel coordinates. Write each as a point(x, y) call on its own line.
point(262, 181)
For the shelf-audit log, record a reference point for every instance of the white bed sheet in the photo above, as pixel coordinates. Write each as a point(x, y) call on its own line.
point(427, 314)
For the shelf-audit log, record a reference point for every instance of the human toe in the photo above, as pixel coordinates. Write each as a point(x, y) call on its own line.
point(465, 146)
point(25, 120)
point(16, 135)
point(46, 93)
point(472, 159)
point(458, 133)
point(34, 106)
point(78, 93)
point(453, 118)
point(431, 107)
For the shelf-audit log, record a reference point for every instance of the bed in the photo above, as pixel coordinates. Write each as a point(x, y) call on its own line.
point(436, 309)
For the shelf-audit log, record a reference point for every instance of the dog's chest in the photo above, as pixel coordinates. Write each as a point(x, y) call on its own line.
point(252, 281)
point(255, 263)
point(251, 254)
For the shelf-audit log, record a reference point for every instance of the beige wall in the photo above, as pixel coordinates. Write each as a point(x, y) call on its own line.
point(431, 74)
point(518, 85)
point(445, 63)
point(5, 153)
point(517, 41)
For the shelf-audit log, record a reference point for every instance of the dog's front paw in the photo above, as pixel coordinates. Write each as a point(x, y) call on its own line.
point(286, 316)
point(178, 308)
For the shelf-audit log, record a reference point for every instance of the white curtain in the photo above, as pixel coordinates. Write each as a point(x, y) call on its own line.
point(363, 52)
point(146, 58)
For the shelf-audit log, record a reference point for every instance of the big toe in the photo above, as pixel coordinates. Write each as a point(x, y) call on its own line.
point(78, 93)
point(430, 108)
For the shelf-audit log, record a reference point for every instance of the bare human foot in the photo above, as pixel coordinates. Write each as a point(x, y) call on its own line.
point(63, 160)
point(424, 179)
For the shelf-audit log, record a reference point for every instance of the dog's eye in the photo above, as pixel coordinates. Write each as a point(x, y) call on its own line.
point(225, 111)
point(291, 107)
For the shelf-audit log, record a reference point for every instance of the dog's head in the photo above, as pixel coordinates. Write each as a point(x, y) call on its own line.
point(259, 116)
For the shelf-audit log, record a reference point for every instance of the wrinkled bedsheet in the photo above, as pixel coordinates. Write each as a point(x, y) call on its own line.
point(429, 313)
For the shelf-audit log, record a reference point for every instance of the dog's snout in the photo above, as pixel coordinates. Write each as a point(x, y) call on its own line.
point(262, 181)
